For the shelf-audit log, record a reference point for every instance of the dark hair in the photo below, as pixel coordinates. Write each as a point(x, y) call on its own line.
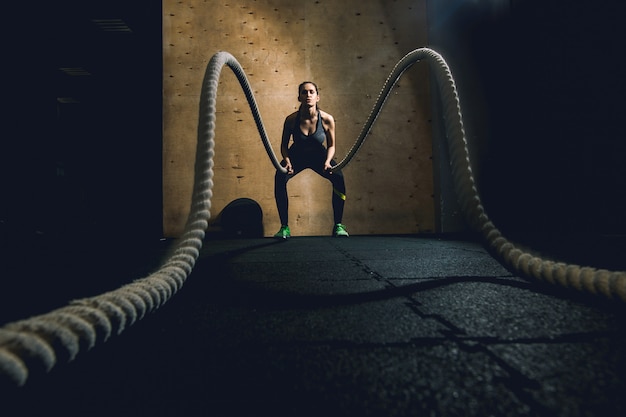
point(307, 82)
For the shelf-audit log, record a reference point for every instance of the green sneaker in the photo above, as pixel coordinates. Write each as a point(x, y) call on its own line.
point(340, 231)
point(283, 233)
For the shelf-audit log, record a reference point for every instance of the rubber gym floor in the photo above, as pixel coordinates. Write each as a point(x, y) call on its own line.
point(320, 326)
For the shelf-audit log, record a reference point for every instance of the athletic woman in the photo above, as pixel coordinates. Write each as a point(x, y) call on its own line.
point(309, 128)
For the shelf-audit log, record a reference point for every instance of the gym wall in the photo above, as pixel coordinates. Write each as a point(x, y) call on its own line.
point(348, 48)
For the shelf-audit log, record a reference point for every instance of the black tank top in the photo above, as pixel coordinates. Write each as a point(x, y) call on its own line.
point(315, 138)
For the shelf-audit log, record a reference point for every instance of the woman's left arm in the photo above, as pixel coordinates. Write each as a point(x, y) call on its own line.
point(329, 127)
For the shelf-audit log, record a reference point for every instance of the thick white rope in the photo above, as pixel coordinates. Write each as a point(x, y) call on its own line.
point(611, 284)
point(39, 341)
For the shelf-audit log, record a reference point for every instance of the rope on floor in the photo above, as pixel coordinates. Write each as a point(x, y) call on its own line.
point(611, 284)
point(40, 341)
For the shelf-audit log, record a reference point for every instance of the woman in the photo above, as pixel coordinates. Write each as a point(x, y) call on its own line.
point(309, 127)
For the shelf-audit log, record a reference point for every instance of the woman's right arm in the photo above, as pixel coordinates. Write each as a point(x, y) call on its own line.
point(284, 143)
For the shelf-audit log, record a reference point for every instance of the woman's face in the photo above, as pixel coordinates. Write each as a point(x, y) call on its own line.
point(308, 95)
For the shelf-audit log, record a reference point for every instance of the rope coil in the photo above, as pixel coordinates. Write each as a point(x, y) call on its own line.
point(39, 341)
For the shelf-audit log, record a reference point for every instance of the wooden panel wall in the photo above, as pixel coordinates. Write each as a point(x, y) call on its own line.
point(348, 48)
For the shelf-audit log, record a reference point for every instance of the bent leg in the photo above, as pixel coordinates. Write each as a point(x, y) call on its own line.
point(280, 194)
point(339, 195)
point(339, 192)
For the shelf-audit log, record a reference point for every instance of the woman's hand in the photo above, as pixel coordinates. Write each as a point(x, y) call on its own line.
point(288, 166)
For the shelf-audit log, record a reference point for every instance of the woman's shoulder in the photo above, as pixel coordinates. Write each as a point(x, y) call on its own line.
point(326, 117)
point(290, 120)
point(291, 117)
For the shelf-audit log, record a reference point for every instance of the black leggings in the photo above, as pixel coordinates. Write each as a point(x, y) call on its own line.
point(301, 159)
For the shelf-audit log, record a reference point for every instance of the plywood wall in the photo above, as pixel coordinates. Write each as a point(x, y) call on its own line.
point(348, 48)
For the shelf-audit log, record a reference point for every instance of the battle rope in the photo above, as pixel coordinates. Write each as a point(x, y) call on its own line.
point(39, 341)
